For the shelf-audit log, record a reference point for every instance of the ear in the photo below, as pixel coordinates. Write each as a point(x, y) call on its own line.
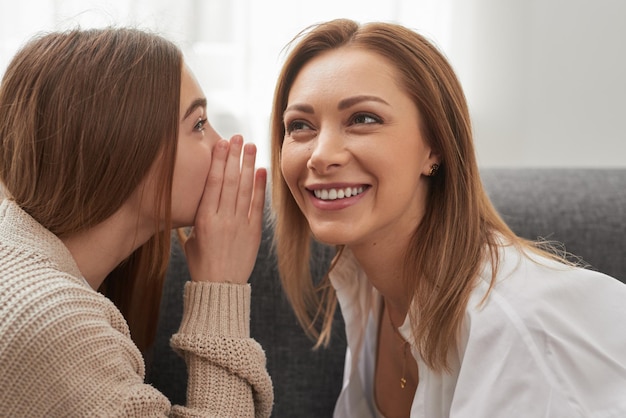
point(432, 164)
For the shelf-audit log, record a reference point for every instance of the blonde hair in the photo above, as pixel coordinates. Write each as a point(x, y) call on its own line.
point(460, 227)
point(84, 114)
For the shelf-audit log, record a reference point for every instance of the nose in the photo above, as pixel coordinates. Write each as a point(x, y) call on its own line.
point(329, 152)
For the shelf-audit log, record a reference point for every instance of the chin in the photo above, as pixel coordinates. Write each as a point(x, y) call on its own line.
point(330, 237)
point(183, 222)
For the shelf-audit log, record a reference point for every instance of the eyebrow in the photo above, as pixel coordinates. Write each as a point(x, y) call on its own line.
point(343, 104)
point(351, 101)
point(199, 102)
point(301, 107)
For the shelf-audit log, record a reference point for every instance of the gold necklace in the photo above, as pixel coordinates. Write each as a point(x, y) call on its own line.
point(405, 346)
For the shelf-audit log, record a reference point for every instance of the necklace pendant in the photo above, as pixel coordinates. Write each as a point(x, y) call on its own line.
point(402, 382)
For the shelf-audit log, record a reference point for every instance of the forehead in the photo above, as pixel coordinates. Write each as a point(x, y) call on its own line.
point(189, 88)
point(344, 70)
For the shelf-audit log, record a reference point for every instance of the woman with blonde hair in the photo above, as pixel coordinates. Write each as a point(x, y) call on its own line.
point(104, 148)
point(447, 311)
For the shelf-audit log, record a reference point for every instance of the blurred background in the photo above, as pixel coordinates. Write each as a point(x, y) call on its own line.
point(545, 79)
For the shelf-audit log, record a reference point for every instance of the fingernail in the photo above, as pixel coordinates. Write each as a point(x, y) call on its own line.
point(237, 139)
point(249, 148)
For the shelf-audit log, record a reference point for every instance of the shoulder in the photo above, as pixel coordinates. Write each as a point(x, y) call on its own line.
point(544, 294)
point(43, 299)
point(38, 274)
point(44, 305)
point(56, 331)
point(48, 300)
point(530, 280)
point(556, 324)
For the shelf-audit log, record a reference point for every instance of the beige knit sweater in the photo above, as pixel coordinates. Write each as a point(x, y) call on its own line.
point(65, 350)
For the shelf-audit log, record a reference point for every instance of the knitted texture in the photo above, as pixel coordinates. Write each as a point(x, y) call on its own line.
point(65, 349)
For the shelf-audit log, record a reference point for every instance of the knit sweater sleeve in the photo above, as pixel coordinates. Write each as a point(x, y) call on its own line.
point(227, 371)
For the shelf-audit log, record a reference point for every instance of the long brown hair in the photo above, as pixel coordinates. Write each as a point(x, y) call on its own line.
point(460, 227)
point(84, 114)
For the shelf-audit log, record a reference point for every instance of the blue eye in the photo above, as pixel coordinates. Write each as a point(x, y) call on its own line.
point(200, 125)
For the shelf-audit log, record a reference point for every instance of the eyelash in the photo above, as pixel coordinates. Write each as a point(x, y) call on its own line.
point(291, 126)
point(375, 119)
point(199, 126)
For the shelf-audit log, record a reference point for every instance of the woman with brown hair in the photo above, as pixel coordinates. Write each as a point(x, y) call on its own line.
point(104, 148)
point(447, 311)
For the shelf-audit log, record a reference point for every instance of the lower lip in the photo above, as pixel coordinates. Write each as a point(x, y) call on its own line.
point(336, 204)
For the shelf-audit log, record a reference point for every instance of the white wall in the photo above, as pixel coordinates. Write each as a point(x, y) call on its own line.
point(544, 78)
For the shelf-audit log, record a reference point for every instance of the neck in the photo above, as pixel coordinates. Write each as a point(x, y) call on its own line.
point(383, 264)
point(98, 250)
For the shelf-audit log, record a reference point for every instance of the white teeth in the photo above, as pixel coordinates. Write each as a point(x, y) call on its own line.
point(334, 194)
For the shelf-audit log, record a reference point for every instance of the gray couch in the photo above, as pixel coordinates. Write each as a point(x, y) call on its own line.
point(585, 209)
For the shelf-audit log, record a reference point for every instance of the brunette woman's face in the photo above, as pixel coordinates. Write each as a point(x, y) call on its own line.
point(353, 155)
point(196, 138)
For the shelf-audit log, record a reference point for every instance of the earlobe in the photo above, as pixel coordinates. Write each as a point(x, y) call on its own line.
point(435, 163)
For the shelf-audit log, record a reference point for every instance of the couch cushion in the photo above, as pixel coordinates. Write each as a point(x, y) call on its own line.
point(584, 209)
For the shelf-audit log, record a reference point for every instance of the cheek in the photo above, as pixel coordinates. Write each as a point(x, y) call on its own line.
point(190, 173)
point(293, 163)
point(197, 172)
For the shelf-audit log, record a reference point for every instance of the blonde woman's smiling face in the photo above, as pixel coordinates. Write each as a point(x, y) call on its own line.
point(353, 155)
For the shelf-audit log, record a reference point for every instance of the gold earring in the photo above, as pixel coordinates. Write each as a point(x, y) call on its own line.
point(433, 170)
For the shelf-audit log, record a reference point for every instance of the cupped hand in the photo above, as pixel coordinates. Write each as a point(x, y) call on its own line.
point(225, 239)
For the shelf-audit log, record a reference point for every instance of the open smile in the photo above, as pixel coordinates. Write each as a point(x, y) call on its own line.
point(338, 193)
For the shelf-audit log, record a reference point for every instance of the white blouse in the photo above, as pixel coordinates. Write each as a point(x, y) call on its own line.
point(549, 341)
